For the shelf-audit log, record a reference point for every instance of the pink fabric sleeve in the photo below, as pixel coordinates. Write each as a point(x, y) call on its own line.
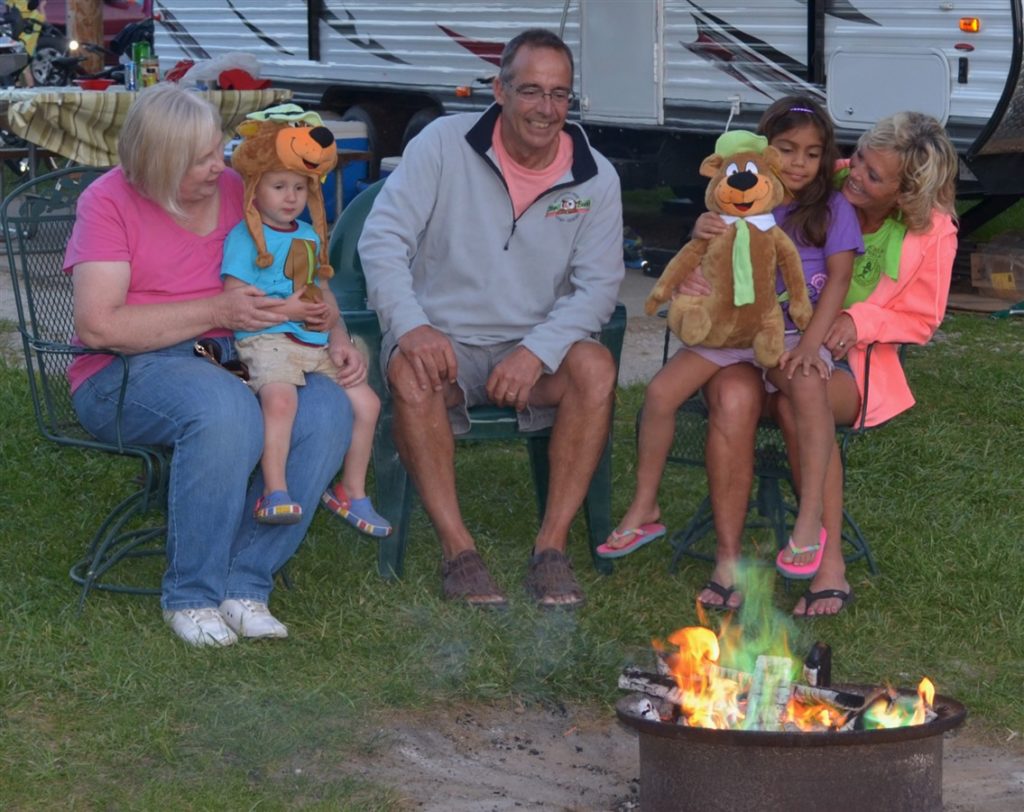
point(908, 310)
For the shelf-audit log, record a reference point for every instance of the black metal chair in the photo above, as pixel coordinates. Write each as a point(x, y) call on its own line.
point(36, 220)
point(768, 507)
point(393, 487)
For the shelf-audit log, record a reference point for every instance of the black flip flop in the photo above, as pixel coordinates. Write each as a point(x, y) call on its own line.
point(724, 592)
point(810, 598)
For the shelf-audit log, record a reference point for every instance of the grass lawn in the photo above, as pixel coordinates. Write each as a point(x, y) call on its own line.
point(110, 710)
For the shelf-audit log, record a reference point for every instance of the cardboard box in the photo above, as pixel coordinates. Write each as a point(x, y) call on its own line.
point(997, 268)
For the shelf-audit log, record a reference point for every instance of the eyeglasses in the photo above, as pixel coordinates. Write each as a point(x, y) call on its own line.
point(532, 94)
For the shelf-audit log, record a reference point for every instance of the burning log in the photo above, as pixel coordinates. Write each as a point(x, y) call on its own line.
point(663, 686)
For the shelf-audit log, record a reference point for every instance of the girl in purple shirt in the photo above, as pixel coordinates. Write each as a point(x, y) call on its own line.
point(824, 228)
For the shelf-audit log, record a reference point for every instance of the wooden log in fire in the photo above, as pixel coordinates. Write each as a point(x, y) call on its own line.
point(663, 686)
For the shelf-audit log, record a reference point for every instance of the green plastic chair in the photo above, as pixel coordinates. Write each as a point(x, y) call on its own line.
point(37, 218)
point(393, 486)
point(768, 507)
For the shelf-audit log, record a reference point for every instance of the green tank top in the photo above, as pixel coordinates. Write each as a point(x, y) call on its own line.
point(882, 251)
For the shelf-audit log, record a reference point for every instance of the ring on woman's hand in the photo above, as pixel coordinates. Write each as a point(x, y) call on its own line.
point(842, 343)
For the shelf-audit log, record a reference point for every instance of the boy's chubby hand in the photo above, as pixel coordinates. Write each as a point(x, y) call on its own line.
point(348, 359)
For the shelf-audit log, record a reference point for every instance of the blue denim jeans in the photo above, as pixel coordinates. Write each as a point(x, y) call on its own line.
point(213, 423)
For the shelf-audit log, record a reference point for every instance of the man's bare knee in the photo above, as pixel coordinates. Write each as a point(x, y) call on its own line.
point(591, 369)
point(406, 391)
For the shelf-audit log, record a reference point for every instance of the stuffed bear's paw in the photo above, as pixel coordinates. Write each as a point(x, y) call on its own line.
point(800, 312)
point(652, 304)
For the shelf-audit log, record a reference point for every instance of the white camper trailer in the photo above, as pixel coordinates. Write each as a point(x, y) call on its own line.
point(657, 80)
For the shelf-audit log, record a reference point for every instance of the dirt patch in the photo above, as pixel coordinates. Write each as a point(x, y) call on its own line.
point(492, 759)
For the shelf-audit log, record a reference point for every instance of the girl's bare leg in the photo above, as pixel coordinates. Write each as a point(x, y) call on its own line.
point(683, 374)
point(845, 403)
point(807, 395)
point(735, 398)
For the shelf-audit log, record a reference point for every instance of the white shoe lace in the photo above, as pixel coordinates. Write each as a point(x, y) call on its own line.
point(203, 615)
point(254, 607)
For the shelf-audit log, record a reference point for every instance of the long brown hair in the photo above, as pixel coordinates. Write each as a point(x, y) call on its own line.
point(808, 222)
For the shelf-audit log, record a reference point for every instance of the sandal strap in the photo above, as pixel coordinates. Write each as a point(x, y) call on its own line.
point(551, 576)
point(796, 549)
point(466, 577)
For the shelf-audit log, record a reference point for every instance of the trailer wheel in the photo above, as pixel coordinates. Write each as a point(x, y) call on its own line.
point(380, 138)
point(419, 120)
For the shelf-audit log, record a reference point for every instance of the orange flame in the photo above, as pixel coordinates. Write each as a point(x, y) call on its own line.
point(926, 690)
point(707, 699)
point(808, 716)
point(712, 696)
point(925, 698)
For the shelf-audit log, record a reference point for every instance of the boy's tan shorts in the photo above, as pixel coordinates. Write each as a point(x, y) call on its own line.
point(278, 358)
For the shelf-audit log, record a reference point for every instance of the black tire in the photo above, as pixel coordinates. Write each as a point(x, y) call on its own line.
point(419, 120)
point(45, 71)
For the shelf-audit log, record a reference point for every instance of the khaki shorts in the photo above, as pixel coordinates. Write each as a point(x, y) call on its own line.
point(276, 358)
point(475, 366)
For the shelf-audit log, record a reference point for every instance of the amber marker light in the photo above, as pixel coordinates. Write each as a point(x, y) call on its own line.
point(970, 25)
point(463, 92)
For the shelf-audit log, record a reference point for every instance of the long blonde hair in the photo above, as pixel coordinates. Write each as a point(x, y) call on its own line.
point(165, 132)
point(928, 164)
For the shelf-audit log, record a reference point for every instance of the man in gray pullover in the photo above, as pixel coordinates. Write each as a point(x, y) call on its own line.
point(493, 255)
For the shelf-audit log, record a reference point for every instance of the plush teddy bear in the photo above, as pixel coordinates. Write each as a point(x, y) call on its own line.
point(742, 309)
point(287, 137)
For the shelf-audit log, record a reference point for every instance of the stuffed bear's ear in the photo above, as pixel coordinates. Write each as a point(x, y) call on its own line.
point(709, 166)
point(773, 158)
point(247, 128)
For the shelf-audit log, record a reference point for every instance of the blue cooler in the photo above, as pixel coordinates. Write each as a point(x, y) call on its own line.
point(348, 135)
point(387, 166)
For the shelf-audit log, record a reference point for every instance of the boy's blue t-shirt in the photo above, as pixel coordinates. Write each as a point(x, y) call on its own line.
point(240, 262)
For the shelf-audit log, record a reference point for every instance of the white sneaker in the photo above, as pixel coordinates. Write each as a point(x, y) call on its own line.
point(200, 627)
point(251, 619)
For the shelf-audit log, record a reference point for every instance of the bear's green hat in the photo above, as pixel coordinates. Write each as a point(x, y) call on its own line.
point(739, 141)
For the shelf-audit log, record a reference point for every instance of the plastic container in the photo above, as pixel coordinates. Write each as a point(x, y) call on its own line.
point(347, 135)
point(94, 84)
point(149, 72)
point(387, 166)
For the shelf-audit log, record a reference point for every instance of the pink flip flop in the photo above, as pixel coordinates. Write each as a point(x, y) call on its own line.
point(802, 571)
point(640, 536)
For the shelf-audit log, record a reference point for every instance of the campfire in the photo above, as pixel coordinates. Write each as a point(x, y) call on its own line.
point(691, 688)
point(732, 719)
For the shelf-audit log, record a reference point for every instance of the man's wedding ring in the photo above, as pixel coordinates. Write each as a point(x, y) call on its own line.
point(842, 343)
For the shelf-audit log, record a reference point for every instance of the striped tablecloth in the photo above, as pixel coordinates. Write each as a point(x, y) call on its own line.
point(82, 125)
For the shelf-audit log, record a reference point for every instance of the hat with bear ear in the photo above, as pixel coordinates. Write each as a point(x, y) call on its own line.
point(739, 141)
point(285, 137)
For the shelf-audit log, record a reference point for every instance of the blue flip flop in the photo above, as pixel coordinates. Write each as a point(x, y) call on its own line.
point(644, 534)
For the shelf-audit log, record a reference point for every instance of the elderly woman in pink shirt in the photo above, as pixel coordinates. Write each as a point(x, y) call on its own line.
point(901, 181)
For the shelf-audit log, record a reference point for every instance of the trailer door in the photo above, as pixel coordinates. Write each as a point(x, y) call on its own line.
point(895, 55)
point(620, 61)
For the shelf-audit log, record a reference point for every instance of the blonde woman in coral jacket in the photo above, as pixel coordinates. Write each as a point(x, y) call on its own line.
point(901, 181)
